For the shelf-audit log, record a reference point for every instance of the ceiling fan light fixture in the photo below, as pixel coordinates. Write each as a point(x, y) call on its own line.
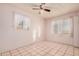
point(41, 12)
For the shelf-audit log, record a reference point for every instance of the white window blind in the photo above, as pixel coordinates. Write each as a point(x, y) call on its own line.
point(21, 21)
point(62, 26)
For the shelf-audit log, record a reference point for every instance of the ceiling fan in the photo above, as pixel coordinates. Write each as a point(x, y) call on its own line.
point(41, 7)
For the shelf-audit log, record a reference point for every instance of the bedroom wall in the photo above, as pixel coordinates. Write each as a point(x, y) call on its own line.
point(72, 39)
point(10, 38)
point(76, 31)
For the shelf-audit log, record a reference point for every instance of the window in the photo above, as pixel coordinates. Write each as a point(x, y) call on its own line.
point(67, 26)
point(22, 22)
point(62, 26)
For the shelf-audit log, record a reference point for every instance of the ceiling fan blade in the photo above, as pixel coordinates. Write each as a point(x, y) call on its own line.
point(43, 3)
point(36, 8)
point(48, 10)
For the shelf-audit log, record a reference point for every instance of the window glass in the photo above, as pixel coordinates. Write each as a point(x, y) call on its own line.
point(62, 26)
point(22, 22)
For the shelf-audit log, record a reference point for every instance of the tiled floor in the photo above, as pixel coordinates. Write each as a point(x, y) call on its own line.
point(44, 48)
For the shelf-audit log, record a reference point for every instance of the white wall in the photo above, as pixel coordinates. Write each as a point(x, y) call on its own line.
point(64, 38)
point(9, 37)
point(76, 31)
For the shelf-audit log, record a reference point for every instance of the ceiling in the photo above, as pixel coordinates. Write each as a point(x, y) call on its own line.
point(56, 8)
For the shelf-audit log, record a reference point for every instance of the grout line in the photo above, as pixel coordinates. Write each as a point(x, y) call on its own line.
point(10, 53)
point(58, 49)
point(1, 54)
point(48, 51)
point(73, 51)
point(65, 51)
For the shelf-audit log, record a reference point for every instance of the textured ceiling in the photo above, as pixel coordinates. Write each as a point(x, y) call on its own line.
point(56, 8)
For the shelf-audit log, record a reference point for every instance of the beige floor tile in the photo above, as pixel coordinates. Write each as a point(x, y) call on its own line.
point(25, 54)
point(52, 52)
point(0, 53)
point(6, 54)
point(44, 48)
point(69, 51)
point(61, 51)
point(76, 52)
